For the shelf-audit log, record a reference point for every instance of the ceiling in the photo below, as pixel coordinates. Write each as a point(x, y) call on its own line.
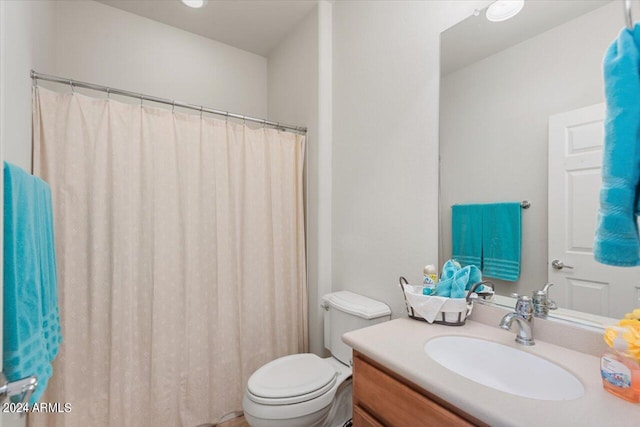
point(255, 26)
point(476, 37)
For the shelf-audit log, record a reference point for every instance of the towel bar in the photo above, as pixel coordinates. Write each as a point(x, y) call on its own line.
point(24, 387)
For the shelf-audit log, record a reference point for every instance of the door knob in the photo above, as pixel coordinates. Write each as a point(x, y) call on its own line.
point(559, 265)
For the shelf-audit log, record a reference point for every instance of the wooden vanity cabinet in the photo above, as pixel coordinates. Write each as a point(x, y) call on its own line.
point(383, 398)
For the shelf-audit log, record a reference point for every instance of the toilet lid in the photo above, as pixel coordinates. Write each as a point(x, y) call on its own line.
point(292, 376)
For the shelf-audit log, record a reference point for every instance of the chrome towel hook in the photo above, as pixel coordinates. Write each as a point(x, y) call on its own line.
point(627, 14)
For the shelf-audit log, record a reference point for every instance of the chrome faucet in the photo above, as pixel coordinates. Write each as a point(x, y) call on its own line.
point(523, 315)
point(542, 303)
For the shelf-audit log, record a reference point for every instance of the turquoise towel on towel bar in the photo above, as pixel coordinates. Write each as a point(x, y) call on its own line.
point(616, 240)
point(501, 240)
point(466, 233)
point(31, 322)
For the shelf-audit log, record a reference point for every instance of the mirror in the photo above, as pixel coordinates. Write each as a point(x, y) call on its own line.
point(507, 89)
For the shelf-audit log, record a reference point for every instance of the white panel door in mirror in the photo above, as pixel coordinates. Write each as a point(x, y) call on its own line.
point(575, 162)
point(582, 207)
point(588, 296)
point(585, 137)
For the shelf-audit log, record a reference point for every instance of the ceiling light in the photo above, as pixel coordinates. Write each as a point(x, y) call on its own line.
point(501, 10)
point(194, 3)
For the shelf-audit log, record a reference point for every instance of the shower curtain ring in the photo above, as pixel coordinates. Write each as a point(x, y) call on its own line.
point(173, 107)
point(201, 108)
point(73, 89)
point(141, 99)
point(108, 93)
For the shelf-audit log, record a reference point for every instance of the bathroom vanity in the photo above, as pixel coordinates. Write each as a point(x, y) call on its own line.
point(397, 384)
point(381, 397)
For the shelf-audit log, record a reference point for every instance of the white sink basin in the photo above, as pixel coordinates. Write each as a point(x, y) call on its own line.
point(504, 368)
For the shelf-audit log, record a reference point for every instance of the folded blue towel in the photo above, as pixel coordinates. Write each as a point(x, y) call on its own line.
point(501, 240)
point(616, 240)
point(31, 323)
point(455, 281)
point(449, 270)
point(475, 276)
point(466, 234)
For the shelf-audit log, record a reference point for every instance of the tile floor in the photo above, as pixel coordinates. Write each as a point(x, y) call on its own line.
point(235, 422)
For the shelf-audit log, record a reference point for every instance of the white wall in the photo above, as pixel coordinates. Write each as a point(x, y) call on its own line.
point(494, 125)
point(105, 45)
point(27, 42)
point(385, 142)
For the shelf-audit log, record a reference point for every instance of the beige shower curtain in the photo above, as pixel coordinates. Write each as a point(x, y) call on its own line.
point(180, 247)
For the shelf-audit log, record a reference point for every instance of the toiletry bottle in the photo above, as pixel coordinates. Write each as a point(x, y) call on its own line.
point(430, 272)
point(620, 372)
point(429, 280)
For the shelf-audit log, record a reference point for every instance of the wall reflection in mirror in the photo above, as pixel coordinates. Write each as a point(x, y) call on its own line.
point(521, 118)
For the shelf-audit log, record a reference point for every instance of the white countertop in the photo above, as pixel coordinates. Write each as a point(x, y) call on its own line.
point(399, 345)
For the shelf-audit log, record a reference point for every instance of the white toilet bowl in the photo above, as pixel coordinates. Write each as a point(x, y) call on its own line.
point(303, 390)
point(299, 390)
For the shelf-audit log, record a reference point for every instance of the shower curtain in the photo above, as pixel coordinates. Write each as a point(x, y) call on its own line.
point(180, 246)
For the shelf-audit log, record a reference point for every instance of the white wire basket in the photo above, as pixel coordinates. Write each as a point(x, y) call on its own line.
point(453, 312)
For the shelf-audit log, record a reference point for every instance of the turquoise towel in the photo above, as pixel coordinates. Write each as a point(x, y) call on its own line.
point(466, 233)
point(616, 239)
point(455, 281)
point(501, 240)
point(31, 322)
point(475, 276)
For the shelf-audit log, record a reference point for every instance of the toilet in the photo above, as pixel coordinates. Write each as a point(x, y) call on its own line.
point(304, 390)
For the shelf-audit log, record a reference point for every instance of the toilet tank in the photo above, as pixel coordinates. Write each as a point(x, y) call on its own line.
point(344, 312)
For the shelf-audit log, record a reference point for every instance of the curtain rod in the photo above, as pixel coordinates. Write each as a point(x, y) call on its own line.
point(142, 97)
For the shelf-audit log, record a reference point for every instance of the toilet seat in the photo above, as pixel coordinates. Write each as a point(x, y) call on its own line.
point(291, 379)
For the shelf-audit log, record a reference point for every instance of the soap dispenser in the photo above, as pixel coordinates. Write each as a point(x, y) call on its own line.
point(620, 371)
